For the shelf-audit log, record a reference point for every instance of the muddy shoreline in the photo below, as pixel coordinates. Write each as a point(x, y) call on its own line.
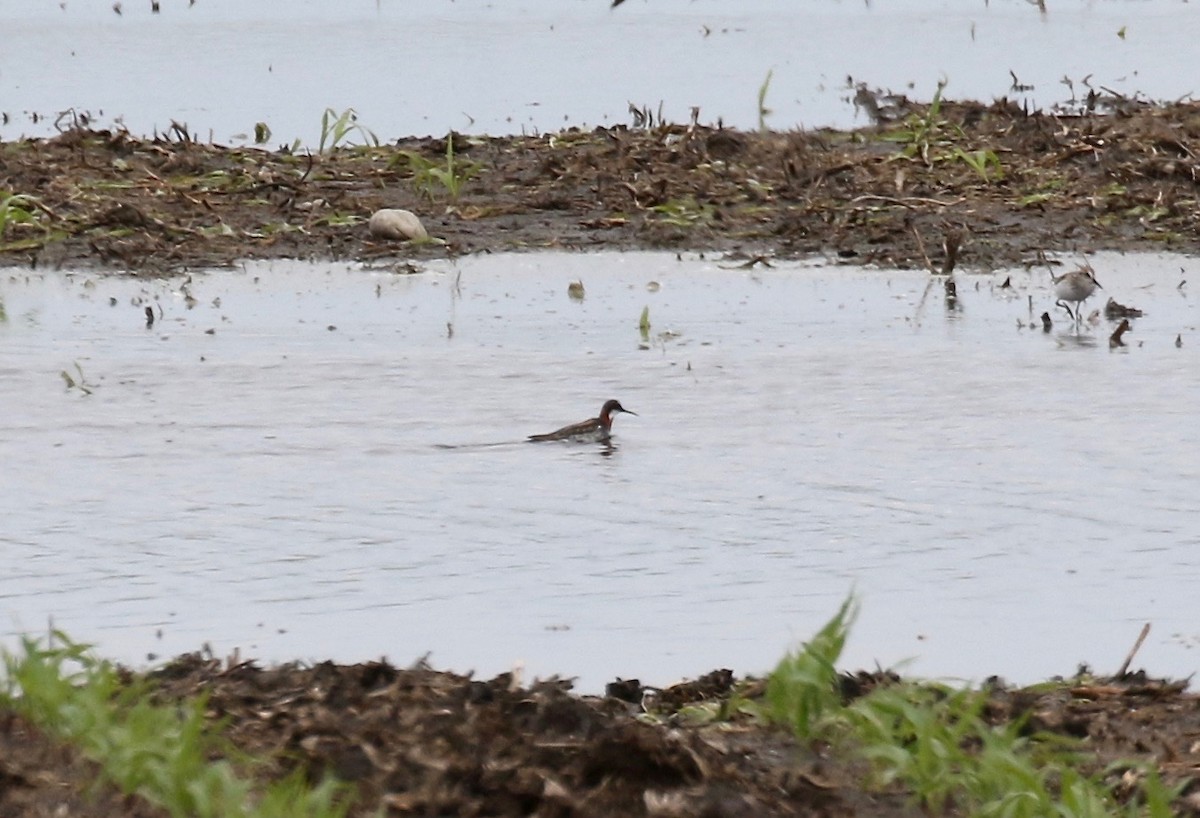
point(1120, 175)
point(417, 741)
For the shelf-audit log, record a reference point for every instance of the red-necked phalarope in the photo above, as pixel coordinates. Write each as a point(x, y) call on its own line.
point(1074, 288)
point(592, 430)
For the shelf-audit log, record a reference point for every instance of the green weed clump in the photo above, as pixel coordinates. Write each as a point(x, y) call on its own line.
point(335, 128)
point(685, 213)
point(804, 687)
point(922, 133)
point(931, 138)
point(430, 178)
point(19, 209)
point(157, 751)
point(936, 743)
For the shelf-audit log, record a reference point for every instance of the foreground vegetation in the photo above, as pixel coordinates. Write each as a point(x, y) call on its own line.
point(937, 742)
point(159, 751)
point(198, 739)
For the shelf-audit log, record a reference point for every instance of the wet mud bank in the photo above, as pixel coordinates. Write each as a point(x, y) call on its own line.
point(421, 742)
point(1009, 185)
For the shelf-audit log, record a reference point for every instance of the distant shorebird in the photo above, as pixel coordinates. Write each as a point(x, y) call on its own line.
point(592, 430)
point(1074, 288)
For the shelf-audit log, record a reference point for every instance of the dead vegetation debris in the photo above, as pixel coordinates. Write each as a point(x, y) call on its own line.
point(1011, 183)
point(422, 742)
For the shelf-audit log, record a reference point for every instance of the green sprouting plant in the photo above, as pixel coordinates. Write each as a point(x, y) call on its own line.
point(803, 688)
point(158, 751)
point(1156, 796)
point(262, 133)
point(936, 742)
point(1035, 199)
point(685, 212)
point(336, 127)
point(922, 132)
point(17, 208)
point(763, 110)
point(981, 162)
point(644, 324)
point(450, 176)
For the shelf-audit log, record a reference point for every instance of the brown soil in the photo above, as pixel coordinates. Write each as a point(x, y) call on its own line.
point(421, 742)
point(1116, 175)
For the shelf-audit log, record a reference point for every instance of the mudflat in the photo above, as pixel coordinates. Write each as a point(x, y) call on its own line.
point(1008, 185)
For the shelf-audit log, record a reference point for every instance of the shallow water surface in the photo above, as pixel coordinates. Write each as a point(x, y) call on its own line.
point(479, 66)
point(322, 461)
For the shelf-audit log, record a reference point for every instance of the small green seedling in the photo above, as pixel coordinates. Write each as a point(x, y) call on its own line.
point(336, 127)
point(17, 208)
point(982, 161)
point(429, 177)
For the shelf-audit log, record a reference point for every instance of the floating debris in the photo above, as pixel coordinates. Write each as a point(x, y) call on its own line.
point(753, 261)
point(1114, 310)
point(149, 317)
point(575, 291)
point(1047, 324)
point(1179, 340)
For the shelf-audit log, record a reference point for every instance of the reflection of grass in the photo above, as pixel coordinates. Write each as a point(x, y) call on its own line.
point(763, 110)
point(81, 384)
point(160, 752)
point(937, 743)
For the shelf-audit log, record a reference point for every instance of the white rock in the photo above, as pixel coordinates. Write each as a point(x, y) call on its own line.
point(396, 224)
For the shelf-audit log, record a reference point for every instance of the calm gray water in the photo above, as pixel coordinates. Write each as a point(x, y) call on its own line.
point(331, 474)
point(481, 66)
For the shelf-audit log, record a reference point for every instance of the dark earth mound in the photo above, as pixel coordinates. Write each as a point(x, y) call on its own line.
point(422, 742)
point(1012, 184)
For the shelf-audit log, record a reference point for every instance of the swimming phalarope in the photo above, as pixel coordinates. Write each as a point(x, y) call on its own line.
point(592, 430)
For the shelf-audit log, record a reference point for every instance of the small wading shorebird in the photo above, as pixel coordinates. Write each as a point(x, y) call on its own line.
point(1074, 288)
point(592, 430)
